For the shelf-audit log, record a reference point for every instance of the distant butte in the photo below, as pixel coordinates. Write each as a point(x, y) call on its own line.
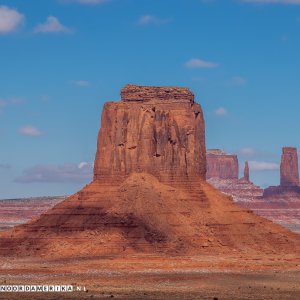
point(149, 195)
point(223, 174)
point(289, 177)
point(289, 171)
point(221, 165)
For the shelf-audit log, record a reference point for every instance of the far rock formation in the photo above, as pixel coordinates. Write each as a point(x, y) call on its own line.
point(149, 195)
point(289, 177)
point(222, 173)
point(281, 204)
point(289, 173)
point(221, 165)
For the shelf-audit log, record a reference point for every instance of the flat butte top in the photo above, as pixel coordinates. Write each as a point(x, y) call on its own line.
point(136, 93)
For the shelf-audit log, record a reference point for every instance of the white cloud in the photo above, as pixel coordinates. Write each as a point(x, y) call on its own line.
point(221, 112)
point(30, 131)
point(51, 25)
point(149, 19)
point(248, 151)
point(263, 166)
point(196, 63)
point(82, 164)
point(85, 2)
point(296, 2)
point(16, 100)
point(237, 81)
point(82, 172)
point(10, 19)
point(81, 83)
point(9, 102)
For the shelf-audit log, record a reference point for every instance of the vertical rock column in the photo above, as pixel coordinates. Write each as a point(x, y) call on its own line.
point(289, 173)
point(246, 172)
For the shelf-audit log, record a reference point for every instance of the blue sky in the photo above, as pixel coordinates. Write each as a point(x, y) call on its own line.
point(62, 59)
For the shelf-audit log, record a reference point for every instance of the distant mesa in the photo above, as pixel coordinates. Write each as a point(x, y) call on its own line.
point(149, 194)
point(221, 165)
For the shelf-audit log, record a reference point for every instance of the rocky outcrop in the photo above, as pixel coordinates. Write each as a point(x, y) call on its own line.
point(157, 130)
point(221, 165)
point(289, 173)
point(149, 194)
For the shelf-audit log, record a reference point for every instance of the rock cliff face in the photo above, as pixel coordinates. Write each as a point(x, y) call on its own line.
point(157, 130)
point(149, 194)
point(221, 165)
point(289, 173)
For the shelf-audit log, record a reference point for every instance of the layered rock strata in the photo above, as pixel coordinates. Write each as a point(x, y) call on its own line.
point(18, 211)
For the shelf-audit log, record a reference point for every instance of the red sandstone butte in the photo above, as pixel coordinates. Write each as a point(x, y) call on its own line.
point(221, 165)
point(289, 173)
point(157, 130)
point(149, 195)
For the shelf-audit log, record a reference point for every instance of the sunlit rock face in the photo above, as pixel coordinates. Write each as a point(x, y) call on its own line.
point(157, 130)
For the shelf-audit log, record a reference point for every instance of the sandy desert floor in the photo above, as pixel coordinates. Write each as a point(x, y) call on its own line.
point(140, 277)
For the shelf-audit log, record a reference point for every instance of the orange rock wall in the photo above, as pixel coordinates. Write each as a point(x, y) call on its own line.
point(162, 135)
